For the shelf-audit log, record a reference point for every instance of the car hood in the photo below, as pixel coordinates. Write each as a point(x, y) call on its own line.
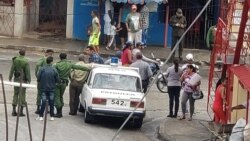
point(116, 94)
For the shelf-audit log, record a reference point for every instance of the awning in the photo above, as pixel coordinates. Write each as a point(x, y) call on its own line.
point(242, 72)
point(139, 1)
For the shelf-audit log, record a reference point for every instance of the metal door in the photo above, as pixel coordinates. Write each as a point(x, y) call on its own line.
point(7, 18)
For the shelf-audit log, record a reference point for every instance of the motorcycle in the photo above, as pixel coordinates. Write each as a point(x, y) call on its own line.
point(161, 80)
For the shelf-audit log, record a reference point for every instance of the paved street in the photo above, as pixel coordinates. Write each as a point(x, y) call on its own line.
point(73, 127)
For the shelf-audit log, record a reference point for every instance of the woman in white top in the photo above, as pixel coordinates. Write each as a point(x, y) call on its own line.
point(174, 86)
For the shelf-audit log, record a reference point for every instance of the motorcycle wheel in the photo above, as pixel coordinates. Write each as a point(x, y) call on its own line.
point(162, 85)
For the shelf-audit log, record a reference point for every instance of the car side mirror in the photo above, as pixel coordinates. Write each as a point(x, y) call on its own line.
point(90, 85)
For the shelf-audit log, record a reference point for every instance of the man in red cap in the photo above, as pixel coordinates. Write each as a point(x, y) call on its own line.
point(133, 25)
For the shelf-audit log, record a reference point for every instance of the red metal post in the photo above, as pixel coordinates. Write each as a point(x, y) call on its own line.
point(241, 33)
point(247, 111)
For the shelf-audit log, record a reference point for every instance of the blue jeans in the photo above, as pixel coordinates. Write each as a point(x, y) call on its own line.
point(144, 36)
point(47, 95)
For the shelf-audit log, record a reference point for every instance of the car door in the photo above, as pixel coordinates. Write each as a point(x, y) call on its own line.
point(86, 90)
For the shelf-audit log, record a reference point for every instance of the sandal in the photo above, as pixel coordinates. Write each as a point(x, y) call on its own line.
point(107, 48)
point(190, 119)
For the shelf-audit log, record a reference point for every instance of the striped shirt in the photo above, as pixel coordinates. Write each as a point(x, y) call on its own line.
point(144, 69)
point(144, 17)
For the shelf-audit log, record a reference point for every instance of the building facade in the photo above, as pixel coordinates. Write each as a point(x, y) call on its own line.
point(71, 18)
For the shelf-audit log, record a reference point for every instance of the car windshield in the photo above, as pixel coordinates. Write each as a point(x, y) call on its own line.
point(117, 82)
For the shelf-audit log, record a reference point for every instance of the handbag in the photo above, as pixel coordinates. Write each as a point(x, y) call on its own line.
point(198, 94)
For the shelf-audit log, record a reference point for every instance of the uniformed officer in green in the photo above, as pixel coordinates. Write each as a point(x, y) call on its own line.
point(20, 65)
point(178, 23)
point(211, 33)
point(40, 64)
point(64, 67)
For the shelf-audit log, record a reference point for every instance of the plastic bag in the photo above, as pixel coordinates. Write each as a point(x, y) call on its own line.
point(246, 132)
point(237, 132)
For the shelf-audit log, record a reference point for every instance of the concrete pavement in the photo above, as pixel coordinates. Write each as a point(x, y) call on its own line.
point(182, 130)
point(170, 129)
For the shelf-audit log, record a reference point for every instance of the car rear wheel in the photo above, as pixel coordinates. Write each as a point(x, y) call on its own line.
point(87, 117)
point(81, 108)
point(138, 122)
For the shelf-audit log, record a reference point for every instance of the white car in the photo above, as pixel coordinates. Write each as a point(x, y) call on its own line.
point(113, 91)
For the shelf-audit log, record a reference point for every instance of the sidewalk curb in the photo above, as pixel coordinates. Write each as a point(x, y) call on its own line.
point(41, 49)
point(161, 134)
point(175, 130)
point(77, 51)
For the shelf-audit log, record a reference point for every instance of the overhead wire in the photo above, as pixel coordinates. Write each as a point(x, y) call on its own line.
point(153, 81)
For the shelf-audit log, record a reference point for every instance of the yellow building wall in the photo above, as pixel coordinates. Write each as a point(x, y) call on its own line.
point(239, 97)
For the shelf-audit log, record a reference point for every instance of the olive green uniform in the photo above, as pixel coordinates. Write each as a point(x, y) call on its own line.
point(64, 68)
point(210, 37)
point(178, 30)
point(20, 65)
point(40, 64)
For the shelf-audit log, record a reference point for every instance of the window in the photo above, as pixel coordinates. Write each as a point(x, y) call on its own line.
point(89, 78)
point(117, 82)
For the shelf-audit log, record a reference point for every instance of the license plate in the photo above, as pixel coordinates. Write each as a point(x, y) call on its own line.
point(119, 103)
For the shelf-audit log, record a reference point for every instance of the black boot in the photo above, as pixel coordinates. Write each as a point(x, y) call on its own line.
point(37, 110)
point(14, 113)
point(170, 115)
point(175, 115)
point(59, 112)
point(21, 114)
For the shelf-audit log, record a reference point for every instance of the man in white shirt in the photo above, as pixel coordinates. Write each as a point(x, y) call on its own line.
point(133, 25)
point(108, 17)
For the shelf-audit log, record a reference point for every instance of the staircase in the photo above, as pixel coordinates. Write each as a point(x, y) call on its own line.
point(233, 26)
point(225, 46)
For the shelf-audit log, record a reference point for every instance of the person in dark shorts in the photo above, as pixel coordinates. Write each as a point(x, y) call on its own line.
point(123, 33)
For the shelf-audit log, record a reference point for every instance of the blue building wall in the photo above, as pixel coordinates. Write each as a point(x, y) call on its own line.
point(82, 19)
point(157, 30)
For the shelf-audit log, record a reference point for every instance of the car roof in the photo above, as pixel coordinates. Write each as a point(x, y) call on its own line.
point(131, 71)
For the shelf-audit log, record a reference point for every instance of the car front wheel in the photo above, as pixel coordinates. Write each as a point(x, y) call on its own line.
point(81, 108)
